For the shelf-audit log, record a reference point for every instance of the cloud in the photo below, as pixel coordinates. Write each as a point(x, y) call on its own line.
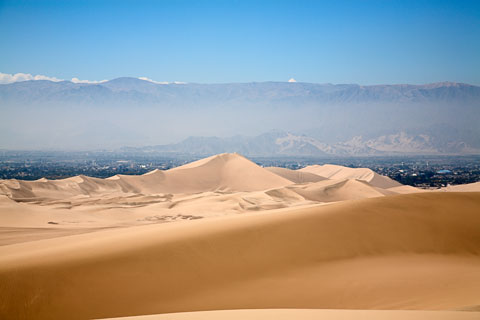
point(76, 80)
point(17, 77)
point(292, 80)
point(10, 78)
point(153, 81)
point(162, 82)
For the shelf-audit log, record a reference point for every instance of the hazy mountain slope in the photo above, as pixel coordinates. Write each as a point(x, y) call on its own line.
point(275, 142)
point(145, 113)
point(279, 143)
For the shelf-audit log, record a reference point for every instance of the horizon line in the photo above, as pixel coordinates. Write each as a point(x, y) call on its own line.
point(30, 78)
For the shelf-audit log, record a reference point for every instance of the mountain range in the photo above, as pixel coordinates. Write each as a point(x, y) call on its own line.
point(335, 118)
point(280, 143)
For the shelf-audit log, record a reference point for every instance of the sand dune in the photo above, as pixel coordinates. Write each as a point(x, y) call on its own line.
point(469, 187)
point(418, 251)
point(296, 176)
point(217, 186)
point(405, 189)
point(338, 190)
point(331, 171)
point(243, 237)
point(225, 172)
point(221, 173)
point(310, 314)
point(78, 186)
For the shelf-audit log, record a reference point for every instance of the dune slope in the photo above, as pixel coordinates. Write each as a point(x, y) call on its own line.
point(295, 176)
point(310, 314)
point(469, 187)
point(331, 171)
point(338, 190)
point(415, 251)
point(226, 172)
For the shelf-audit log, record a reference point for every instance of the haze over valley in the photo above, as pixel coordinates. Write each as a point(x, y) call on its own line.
point(336, 119)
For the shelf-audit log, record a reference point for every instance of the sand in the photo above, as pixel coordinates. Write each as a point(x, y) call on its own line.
point(238, 236)
point(216, 186)
point(296, 176)
point(331, 171)
point(310, 314)
point(469, 187)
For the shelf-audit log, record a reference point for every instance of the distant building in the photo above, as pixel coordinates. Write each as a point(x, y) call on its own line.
point(444, 171)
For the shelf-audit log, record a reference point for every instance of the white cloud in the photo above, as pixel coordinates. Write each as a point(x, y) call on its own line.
point(76, 80)
point(292, 80)
point(153, 81)
point(160, 82)
point(17, 77)
point(10, 78)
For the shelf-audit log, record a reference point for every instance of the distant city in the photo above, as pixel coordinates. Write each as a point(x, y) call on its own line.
point(419, 171)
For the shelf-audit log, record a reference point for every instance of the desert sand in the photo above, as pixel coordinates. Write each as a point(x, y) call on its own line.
point(223, 233)
point(309, 314)
point(464, 187)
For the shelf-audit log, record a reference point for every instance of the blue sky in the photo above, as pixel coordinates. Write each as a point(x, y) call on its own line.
point(366, 42)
